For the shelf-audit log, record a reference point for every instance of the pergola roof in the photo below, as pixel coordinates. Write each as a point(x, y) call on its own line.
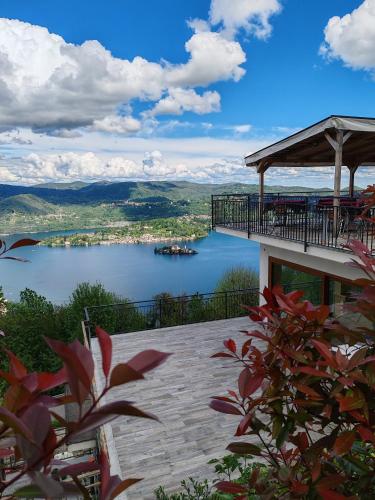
point(314, 146)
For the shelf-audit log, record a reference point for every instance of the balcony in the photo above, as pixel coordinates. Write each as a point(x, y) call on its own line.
point(308, 219)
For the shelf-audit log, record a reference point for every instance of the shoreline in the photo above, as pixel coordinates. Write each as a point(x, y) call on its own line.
point(127, 240)
point(91, 228)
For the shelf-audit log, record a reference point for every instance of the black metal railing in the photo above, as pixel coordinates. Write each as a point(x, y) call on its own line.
point(168, 311)
point(311, 220)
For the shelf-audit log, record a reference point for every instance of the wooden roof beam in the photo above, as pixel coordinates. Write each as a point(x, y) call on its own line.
point(262, 166)
point(337, 143)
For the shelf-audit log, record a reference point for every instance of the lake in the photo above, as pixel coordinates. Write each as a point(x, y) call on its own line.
point(132, 271)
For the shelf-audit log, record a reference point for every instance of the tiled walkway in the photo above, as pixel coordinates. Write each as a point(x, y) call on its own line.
point(178, 392)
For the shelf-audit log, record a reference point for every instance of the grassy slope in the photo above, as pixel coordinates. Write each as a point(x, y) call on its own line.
point(26, 204)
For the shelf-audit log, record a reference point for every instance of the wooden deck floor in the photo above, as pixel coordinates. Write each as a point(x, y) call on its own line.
point(178, 392)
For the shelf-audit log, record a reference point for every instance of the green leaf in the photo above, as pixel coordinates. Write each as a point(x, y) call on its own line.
point(283, 434)
point(29, 491)
point(276, 426)
point(245, 449)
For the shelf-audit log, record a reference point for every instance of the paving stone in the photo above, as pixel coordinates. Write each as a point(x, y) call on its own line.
point(178, 392)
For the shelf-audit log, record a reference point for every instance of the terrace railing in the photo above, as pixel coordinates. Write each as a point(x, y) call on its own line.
point(309, 219)
point(168, 311)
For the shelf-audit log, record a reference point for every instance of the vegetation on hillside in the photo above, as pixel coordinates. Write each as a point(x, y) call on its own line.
point(26, 204)
point(171, 229)
point(60, 217)
point(106, 192)
point(80, 206)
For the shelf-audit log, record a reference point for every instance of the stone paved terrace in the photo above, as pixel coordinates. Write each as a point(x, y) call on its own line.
point(178, 392)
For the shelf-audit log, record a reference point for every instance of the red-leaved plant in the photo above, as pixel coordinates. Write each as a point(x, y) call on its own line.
point(306, 394)
point(4, 249)
point(28, 411)
point(27, 414)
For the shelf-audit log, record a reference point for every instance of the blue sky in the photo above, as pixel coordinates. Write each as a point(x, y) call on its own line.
point(125, 90)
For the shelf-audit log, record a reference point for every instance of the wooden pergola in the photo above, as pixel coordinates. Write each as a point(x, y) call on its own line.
point(335, 141)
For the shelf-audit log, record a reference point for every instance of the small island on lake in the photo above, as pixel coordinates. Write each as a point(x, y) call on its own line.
point(173, 229)
point(175, 250)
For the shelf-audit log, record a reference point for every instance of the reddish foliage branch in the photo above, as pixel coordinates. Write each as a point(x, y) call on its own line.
point(4, 249)
point(305, 395)
point(28, 409)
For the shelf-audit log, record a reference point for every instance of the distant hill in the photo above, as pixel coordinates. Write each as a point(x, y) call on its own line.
point(121, 191)
point(26, 204)
point(57, 206)
point(62, 185)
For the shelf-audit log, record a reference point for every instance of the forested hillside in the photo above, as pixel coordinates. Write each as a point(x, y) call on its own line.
point(80, 205)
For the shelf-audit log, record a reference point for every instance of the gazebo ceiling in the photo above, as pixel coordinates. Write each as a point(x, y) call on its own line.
point(314, 146)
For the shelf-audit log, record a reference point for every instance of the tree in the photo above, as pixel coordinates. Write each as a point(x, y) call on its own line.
point(237, 278)
point(25, 325)
point(244, 284)
point(3, 303)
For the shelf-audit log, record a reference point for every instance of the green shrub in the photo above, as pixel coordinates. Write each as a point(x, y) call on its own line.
point(237, 278)
point(229, 468)
point(25, 324)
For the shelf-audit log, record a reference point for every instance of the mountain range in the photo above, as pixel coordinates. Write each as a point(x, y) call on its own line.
point(40, 198)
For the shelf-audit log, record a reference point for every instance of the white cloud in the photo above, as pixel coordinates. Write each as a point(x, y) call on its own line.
point(207, 163)
point(212, 58)
point(74, 166)
point(13, 137)
point(35, 168)
point(64, 133)
point(351, 38)
point(242, 129)
point(47, 83)
point(117, 124)
point(251, 15)
point(6, 175)
point(180, 100)
point(56, 87)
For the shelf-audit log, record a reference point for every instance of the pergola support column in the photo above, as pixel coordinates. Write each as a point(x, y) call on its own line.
point(337, 145)
point(261, 186)
point(352, 170)
point(262, 167)
point(338, 166)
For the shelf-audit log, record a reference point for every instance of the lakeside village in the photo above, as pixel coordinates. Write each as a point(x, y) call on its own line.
point(169, 230)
